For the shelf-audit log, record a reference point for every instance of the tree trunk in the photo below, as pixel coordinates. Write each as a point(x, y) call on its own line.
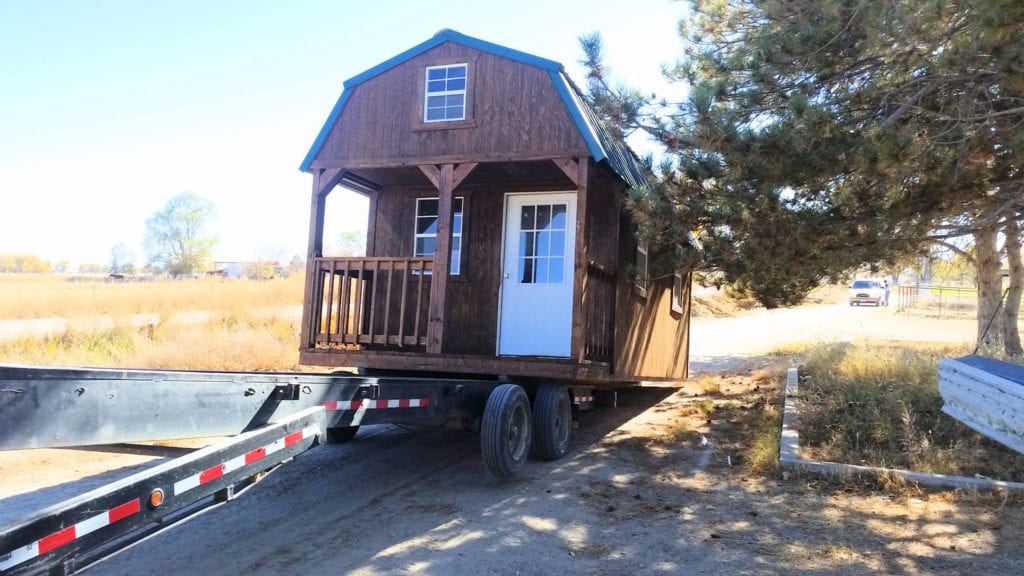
point(926, 270)
point(990, 283)
point(1011, 306)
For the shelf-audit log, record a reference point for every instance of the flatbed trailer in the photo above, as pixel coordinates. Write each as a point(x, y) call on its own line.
point(270, 418)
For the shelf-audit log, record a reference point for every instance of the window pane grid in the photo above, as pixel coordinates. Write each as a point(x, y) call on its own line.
point(445, 94)
point(425, 242)
point(542, 230)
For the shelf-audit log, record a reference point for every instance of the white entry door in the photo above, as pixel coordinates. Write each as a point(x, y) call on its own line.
point(537, 275)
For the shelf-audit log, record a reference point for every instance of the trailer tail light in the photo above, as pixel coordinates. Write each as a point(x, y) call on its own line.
point(156, 498)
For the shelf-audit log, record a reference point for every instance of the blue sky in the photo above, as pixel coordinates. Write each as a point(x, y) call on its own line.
point(110, 107)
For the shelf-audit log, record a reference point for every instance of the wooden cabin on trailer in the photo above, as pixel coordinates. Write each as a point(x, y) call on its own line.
point(497, 241)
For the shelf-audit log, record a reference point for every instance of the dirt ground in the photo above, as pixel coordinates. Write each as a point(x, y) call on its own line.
point(654, 486)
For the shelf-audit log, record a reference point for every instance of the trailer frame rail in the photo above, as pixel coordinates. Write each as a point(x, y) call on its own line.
point(51, 540)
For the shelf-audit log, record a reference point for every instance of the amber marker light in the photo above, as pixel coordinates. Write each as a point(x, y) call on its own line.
point(156, 498)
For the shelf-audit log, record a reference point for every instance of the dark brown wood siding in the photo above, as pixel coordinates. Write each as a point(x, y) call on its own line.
point(604, 207)
point(472, 314)
point(516, 111)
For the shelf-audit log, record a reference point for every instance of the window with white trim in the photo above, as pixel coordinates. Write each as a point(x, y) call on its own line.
point(640, 280)
point(426, 231)
point(444, 96)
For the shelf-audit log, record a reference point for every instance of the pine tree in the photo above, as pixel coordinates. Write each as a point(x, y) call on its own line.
point(820, 135)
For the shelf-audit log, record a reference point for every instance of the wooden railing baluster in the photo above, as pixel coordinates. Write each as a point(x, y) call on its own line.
point(351, 292)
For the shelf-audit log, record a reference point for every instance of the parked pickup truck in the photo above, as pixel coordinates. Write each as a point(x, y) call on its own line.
point(867, 292)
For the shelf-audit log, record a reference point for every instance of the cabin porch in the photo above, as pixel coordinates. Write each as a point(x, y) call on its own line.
point(373, 312)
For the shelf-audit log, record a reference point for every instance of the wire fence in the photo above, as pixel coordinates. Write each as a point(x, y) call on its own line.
point(940, 301)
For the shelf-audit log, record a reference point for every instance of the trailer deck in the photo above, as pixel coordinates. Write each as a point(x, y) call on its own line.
point(270, 417)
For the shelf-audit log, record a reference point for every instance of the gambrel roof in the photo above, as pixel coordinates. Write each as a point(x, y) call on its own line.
point(602, 146)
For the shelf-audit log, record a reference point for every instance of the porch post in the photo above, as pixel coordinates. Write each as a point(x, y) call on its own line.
point(314, 249)
point(442, 258)
point(579, 323)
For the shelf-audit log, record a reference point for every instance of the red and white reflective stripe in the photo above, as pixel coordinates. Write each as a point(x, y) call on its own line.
point(214, 472)
point(337, 405)
point(69, 534)
point(584, 399)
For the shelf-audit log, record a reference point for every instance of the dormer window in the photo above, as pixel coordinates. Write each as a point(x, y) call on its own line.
point(444, 97)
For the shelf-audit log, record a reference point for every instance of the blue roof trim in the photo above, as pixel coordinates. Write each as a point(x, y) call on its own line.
point(599, 141)
point(324, 131)
point(586, 131)
point(452, 36)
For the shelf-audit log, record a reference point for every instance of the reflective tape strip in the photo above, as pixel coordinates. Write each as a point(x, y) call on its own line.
point(583, 399)
point(339, 405)
point(69, 534)
point(252, 456)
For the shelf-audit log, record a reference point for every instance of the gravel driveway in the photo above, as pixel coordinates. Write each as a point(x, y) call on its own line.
point(721, 343)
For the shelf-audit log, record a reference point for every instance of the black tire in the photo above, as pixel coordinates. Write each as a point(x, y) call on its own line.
point(552, 422)
point(505, 431)
point(341, 434)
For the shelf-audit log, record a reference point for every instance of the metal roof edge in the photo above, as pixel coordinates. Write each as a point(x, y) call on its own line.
point(574, 105)
point(448, 35)
point(321, 137)
point(603, 146)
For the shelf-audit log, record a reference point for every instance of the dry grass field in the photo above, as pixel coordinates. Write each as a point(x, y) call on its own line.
point(55, 296)
point(203, 324)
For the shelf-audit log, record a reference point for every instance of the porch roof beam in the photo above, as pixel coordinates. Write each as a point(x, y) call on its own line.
point(327, 179)
point(433, 173)
point(570, 167)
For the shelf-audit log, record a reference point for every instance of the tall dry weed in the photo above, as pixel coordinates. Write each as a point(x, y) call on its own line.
point(879, 405)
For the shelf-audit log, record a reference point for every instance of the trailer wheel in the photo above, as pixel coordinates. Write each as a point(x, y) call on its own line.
point(505, 431)
point(341, 434)
point(552, 422)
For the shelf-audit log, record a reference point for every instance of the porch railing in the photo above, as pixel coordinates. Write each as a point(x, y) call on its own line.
point(372, 302)
point(599, 313)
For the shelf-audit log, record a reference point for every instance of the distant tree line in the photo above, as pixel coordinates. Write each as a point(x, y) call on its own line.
point(179, 241)
point(29, 264)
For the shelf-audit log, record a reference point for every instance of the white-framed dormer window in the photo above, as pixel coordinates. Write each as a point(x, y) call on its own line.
point(426, 232)
point(640, 264)
point(444, 96)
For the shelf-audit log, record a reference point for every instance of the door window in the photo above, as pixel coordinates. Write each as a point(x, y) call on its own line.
point(542, 230)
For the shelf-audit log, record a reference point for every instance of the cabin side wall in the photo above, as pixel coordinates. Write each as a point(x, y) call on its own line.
point(652, 341)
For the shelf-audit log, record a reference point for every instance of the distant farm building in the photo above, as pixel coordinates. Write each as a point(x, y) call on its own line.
point(252, 269)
